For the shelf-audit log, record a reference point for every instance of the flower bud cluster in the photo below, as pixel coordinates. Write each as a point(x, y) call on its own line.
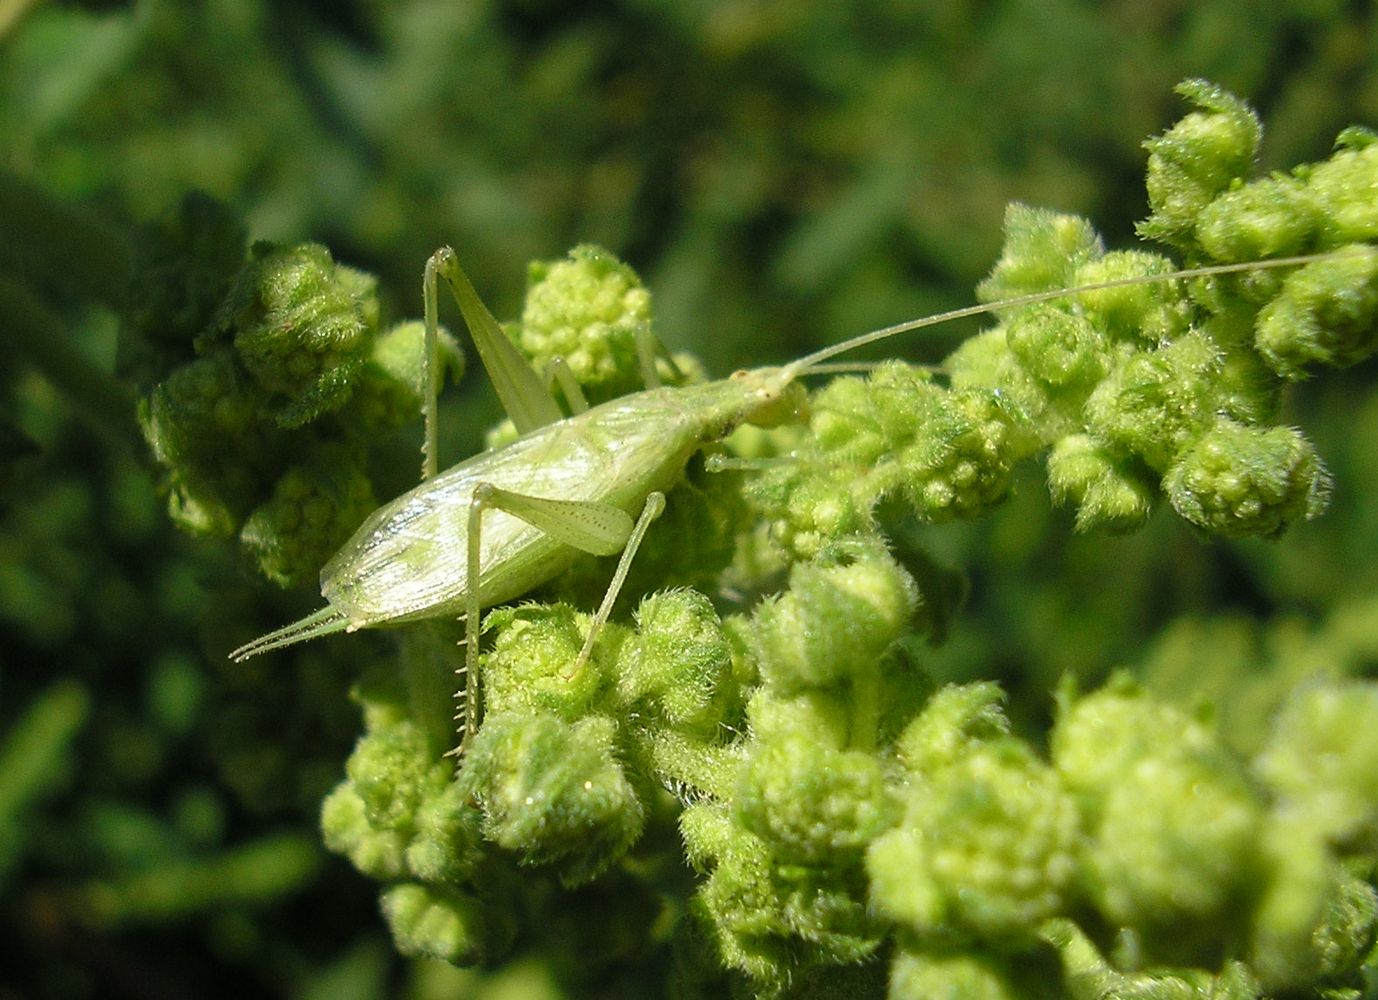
point(944, 452)
point(267, 385)
point(590, 310)
point(1136, 392)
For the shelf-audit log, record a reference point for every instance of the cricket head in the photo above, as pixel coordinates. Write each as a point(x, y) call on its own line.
point(771, 396)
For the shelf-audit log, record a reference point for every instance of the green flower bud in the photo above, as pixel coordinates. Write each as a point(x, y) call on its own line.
point(1343, 187)
point(530, 665)
point(920, 975)
point(393, 771)
point(1312, 921)
point(312, 512)
point(961, 461)
point(1322, 757)
point(435, 922)
point(708, 833)
point(553, 793)
point(302, 326)
point(1088, 976)
point(391, 386)
point(1108, 490)
point(1236, 480)
point(1174, 822)
point(816, 505)
point(841, 613)
point(950, 451)
point(765, 916)
point(679, 662)
point(1042, 251)
point(1177, 839)
point(447, 844)
point(824, 715)
point(955, 717)
point(1249, 390)
point(1059, 348)
point(1156, 402)
point(1152, 312)
point(1343, 942)
point(189, 420)
point(811, 803)
point(1100, 736)
point(986, 362)
point(845, 423)
point(1272, 217)
point(1197, 159)
point(1327, 313)
point(986, 844)
point(588, 310)
point(345, 828)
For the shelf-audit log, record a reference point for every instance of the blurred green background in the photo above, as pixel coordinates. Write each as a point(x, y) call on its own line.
point(782, 174)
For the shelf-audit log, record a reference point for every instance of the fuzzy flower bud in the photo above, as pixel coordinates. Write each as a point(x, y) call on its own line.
point(840, 614)
point(1042, 251)
point(1177, 839)
point(534, 650)
point(1108, 490)
point(553, 792)
point(588, 310)
point(919, 975)
point(390, 389)
point(679, 662)
point(1101, 735)
point(961, 459)
point(1236, 480)
point(1271, 217)
point(987, 844)
point(1087, 975)
point(954, 717)
point(302, 325)
point(765, 914)
point(1327, 313)
point(313, 510)
point(189, 419)
point(379, 853)
point(1197, 159)
point(1174, 822)
point(1156, 402)
point(1322, 758)
point(809, 802)
point(1314, 920)
point(1152, 312)
point(1345, 187)
point(445, 924)
point(399, 813)
point(1057, 347)
point(820, 506)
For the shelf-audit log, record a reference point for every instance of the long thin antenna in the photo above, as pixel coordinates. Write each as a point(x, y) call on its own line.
point(803, 364)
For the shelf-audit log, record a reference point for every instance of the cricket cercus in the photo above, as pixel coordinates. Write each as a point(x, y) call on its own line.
point(496, 525)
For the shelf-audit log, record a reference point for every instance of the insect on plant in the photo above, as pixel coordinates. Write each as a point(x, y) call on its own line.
point(498, 524)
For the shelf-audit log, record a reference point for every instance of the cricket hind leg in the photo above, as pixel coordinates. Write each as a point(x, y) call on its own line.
point(596, 528)
point(655, 506)
point(523, 396)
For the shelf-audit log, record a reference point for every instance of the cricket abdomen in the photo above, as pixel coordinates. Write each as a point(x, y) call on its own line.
point(408, 559)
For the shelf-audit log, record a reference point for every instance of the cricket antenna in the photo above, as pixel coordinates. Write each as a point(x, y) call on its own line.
point(810, 362)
